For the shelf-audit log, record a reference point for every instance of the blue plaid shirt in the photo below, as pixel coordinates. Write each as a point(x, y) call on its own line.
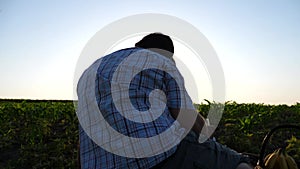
point(94, 156)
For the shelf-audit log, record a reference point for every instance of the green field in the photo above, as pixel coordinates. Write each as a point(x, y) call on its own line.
point(44, 134)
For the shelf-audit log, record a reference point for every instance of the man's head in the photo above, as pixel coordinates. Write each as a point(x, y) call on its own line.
point(159, 43)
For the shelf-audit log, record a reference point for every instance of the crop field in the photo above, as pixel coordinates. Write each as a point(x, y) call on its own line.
point(44, 134)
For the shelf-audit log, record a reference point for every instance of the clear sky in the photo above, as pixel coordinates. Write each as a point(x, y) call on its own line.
point(257, 42)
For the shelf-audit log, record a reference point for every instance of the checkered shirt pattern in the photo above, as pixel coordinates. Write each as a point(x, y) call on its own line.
point(94, 156)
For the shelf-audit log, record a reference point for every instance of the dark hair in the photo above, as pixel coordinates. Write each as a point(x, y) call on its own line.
point(157, 42)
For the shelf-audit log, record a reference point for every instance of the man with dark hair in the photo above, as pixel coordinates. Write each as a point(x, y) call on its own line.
point(159, 43)
point(158, 48)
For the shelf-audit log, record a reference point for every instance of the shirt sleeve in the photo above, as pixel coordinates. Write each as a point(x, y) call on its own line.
point(177, 96)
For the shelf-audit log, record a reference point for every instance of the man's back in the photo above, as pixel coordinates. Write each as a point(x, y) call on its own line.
point(117, 74)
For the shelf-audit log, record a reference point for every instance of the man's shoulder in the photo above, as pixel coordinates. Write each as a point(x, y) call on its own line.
point(133, 58)
point(123, 51)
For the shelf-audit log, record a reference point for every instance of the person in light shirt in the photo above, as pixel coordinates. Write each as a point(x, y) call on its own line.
point(156, 49)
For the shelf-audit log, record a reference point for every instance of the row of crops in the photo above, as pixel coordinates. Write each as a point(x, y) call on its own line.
point(38, 134)
point(44, 134)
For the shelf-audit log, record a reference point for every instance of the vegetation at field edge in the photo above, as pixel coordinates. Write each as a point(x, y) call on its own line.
point(44, 134)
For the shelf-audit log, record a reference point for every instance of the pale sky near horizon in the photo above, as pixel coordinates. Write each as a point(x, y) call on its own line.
point(257, 42)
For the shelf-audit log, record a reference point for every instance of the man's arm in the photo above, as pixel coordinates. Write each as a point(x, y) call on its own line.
point(199, 123)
